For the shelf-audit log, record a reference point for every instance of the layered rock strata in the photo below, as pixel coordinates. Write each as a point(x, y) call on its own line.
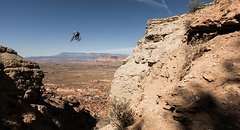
point(184, 73)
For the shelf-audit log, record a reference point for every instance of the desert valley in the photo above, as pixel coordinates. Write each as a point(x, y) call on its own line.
point(183, 74)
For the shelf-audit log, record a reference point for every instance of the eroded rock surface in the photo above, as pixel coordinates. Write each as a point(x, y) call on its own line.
point(23, 76)
point(184, 73)
point(26, 106)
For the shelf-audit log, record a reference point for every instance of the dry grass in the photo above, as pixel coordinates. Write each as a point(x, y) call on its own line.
point(121, 115)
point(194, 5)
point(188, 24)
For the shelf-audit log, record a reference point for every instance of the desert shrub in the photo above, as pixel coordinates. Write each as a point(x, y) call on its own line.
point(187, 24)
point(194, 5)
point(121, 114)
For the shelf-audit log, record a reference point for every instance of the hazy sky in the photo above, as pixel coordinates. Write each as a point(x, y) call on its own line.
point(45, 27)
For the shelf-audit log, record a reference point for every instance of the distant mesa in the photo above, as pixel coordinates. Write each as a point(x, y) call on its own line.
point(78, 57)
point(107, 58)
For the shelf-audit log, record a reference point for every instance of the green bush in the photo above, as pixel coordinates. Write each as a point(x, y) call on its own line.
point(194, 5)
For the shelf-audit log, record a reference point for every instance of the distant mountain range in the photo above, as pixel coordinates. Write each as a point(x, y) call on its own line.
point(71, 56)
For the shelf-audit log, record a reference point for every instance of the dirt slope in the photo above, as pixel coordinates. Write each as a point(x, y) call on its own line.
point(185, 72)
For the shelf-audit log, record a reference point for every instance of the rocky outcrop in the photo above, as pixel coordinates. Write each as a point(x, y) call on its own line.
point(25, 77)
point(221, 18)
point(25, 104)
point(184, 73)
point(222, 13)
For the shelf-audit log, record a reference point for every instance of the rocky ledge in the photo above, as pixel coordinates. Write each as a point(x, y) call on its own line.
point(25, 104)
point(184, 73)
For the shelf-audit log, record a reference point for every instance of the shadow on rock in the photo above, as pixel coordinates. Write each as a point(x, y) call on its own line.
point(62, 118)
point(17, 115)
point(23, 105)
point(232, 66)
point(45, 114)
point(204, 112)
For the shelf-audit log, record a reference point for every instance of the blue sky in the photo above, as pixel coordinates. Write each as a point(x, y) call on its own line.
point(45, 27)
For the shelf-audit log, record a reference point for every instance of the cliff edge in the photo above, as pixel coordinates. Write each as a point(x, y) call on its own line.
point(25, 105)
point(185, 72)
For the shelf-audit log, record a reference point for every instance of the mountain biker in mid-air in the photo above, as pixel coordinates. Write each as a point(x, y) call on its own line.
point(76, 36)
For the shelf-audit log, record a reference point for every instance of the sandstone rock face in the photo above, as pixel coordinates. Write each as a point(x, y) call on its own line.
point(185, 75)
point(24, 105)
point(221, 18)
point(23, 75)
point(222, 13)
point(152, 49)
